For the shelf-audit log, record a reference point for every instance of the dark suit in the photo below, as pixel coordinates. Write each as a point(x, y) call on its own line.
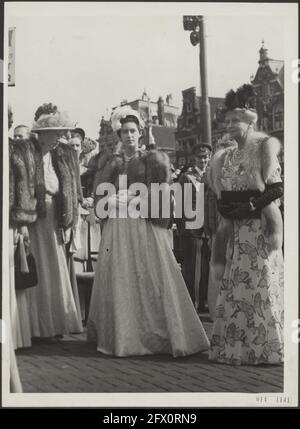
point(194, 245)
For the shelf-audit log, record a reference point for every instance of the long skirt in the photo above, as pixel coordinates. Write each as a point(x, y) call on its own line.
point(51, 303)
point(140, 304)
point(15, 326)
point(248, 326)
point(19, 312)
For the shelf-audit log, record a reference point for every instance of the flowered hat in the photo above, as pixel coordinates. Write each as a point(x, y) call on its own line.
point(123, 112)
point(53, 121)
point(242, 103)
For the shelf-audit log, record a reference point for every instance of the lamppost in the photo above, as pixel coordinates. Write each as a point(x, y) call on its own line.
point(196, 25)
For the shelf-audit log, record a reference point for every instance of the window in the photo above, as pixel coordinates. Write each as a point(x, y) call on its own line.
point(191, 143)
point(278, 116)
point(190, 122)
point(188, 107)
point(265, 90)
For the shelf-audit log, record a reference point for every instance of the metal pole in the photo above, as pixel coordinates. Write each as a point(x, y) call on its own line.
point(206, 135)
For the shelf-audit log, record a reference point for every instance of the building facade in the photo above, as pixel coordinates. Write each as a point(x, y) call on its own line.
point(268, 83)
point(189, 126)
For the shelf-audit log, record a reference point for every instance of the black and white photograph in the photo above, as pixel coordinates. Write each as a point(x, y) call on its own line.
point(150, 204)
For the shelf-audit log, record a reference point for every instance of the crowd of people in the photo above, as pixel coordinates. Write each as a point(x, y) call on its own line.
point(148, 290)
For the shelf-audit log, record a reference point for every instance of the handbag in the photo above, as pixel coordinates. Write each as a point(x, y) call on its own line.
point(237, 204)
point(25, 268)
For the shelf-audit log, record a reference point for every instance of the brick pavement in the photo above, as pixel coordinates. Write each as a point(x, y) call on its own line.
point(71, 365)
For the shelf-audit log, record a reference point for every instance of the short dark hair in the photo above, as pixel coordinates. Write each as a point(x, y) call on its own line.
point(128, 118)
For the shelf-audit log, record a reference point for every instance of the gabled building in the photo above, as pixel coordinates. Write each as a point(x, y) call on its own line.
point(189, 126)
point(160, 112)
point(106, 133)
point(268, 83)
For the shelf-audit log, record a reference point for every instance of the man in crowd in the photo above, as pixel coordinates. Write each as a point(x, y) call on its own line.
point(76, 141)
point(194, 242)
point(21, 132)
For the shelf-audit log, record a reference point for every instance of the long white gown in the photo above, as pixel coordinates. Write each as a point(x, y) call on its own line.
point(140, 304)
point(52, 306)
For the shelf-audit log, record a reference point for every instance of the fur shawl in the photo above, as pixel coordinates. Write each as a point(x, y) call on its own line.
point(152, 166)
point(149, 167)
point(26, 182)
point(260, 153)
point(66, 165)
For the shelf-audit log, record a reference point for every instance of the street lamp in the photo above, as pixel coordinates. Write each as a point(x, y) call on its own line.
point(196, 25)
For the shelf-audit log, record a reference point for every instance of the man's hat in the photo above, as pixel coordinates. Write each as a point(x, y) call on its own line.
point(201, 149)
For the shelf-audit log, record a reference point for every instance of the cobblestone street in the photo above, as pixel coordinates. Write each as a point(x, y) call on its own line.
point(71, 365)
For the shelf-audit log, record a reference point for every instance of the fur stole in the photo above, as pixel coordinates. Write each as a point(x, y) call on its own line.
point(152, 166)
point(26, 182)
point(259, 159)
point(149, 167)
point(108, 170)
point(66, 166)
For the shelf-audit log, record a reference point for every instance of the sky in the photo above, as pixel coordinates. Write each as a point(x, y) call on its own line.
point(87, 65)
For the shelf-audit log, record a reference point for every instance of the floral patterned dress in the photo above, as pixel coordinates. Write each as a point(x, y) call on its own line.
point(248, 328)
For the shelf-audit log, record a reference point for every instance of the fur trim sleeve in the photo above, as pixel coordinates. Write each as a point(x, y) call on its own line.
point(270, 149)
point(215, 171)
point(158, 168)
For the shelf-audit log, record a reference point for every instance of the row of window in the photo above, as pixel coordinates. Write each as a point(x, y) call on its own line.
point(187, 144)
point(189, 122)
point(278, 114)
point(274, 123)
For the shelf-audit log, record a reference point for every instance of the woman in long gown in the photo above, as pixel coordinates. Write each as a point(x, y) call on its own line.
point(140, 304)
point(52, 306)
point(248, 328)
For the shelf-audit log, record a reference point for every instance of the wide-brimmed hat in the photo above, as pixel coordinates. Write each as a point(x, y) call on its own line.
point(53, 121)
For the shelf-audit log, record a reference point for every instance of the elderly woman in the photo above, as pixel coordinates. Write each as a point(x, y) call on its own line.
point(139, 304)
point(248, 328)
point(51, 304)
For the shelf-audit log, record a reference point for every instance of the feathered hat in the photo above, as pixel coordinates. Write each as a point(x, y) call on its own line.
point(51, 119)
point(125, 112)
point(242, 103)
